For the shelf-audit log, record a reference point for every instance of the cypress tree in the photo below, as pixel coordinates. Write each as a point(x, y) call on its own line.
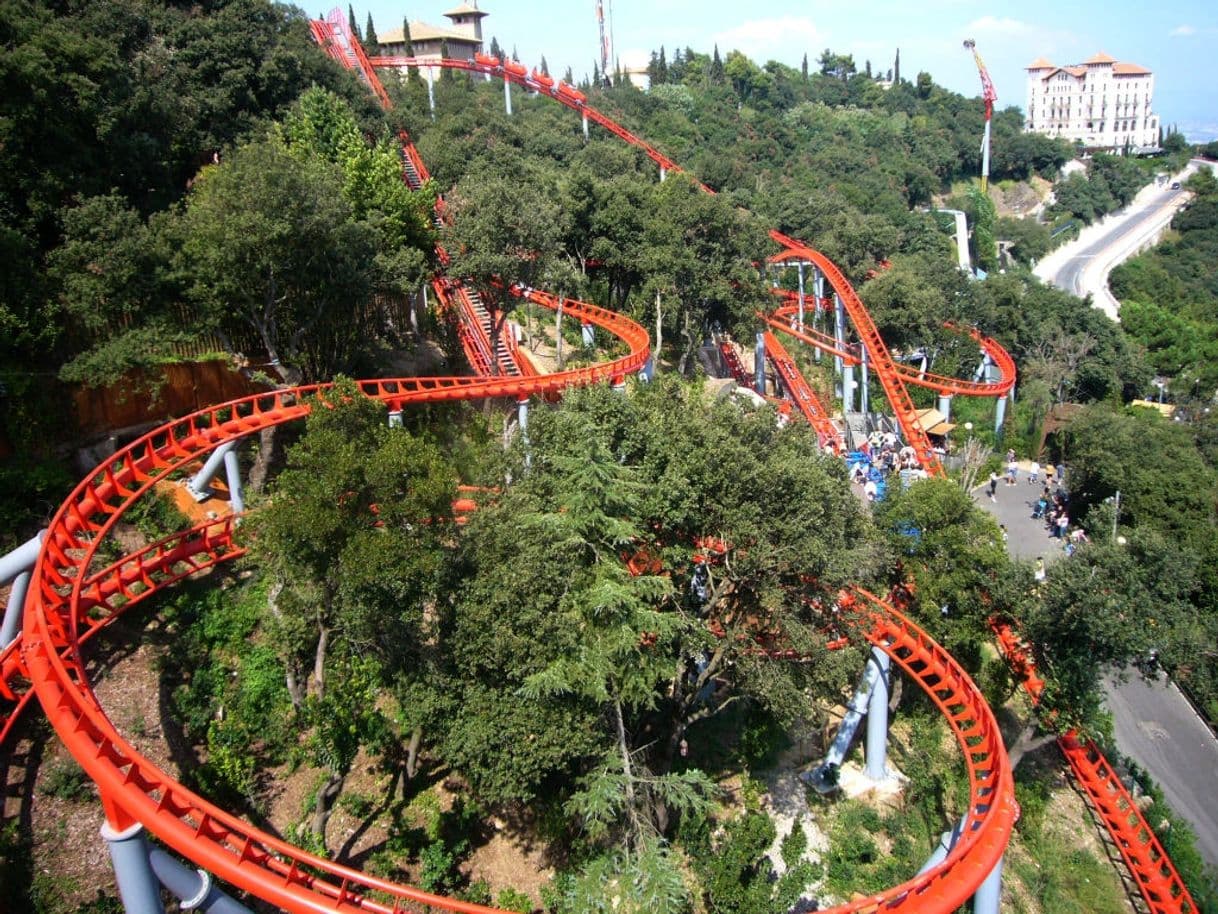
point(569, 77)
point(868, 69)
point(545, 67)
point(803, 68)
point(896, 69)
point(351, 22)
point(496, 51)
point(371, 43)
point(408, 50)
point(716, 72)
point(662, 67)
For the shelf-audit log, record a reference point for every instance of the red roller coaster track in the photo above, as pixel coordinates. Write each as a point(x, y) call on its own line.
point(68, 603)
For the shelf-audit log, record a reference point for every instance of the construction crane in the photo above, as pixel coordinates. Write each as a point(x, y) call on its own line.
point(989, 96)
point(606, 40)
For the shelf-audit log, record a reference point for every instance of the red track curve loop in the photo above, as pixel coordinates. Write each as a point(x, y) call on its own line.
point(67, 605)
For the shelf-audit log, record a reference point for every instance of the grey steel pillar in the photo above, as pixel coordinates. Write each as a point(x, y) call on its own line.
point(17, 566)
point(801, 296)
point(232, 473)
point(759, 365)
point(618, 385)
point(945, 405)
point(507, 94)
point(877, 718)
point(431, 92)
point(522, 413)
point(947, 841)
point(137, 883)
point(864, 395)
point(193, 888)
point(839, 333)
point(989, 897)
point(663, 173)
point(1000, 415)
point(198, 485)
point(395, 418)
point(648, 369)
point(847, 388)
point(585, 125)
point(587, 333)
point(818, 292)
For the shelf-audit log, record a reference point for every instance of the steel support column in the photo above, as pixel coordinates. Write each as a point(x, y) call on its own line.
point(759, 365)
point(138, 886)
point(801, 297)
point(194, 888)
point(16, 566)
point(199, 483)
point(877, 718)
point(507, 95)
point(945, 405)
point(232, 474)
point(989, 897)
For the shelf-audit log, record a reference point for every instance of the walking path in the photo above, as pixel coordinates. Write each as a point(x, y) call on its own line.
point(1153, 722)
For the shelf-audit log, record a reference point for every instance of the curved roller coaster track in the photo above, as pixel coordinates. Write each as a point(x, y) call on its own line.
point(71, 599)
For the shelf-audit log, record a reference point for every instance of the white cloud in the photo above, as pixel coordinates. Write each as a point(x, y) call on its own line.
point(1182, 30)
point(763, 39)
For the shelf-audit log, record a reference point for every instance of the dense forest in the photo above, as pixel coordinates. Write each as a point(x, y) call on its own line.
point(182, 181)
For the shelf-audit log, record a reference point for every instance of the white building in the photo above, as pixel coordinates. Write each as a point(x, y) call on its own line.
point(1101, 102)
point(464, 36)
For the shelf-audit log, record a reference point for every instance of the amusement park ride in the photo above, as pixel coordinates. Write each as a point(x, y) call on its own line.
point(64, 596)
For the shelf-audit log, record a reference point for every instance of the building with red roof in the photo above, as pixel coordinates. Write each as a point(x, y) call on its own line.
point(1103, 103)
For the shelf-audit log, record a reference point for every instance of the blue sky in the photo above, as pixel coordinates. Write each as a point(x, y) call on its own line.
point(1177, 39)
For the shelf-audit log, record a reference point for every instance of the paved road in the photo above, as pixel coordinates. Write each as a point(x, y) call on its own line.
point(1157, 727)
point(1154, 724)
point(1139, 222)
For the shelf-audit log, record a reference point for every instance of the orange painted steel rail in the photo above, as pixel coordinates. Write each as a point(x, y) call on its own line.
point(801, 393)
point(1152, 870)
point(67, 605)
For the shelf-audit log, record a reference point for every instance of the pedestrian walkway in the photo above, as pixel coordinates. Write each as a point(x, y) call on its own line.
point(1012, 507)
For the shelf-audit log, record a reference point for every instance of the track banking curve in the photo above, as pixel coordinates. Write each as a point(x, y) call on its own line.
point(69, 601)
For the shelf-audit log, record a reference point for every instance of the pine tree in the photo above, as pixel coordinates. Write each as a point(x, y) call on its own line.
point(371, 43)
point(803, 69)
point(569, 77)
point(716, 71)
point(515, 56)
point(596, 74)
point(896, 69)
point(867, 69)
point(662, 67)
point(545, 67)
point(496, 51)
point(351, 22)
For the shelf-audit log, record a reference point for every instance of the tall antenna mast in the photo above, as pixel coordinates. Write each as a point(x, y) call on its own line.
point(606, 38)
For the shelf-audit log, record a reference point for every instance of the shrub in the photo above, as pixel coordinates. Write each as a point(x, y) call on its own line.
point(514, 900)
point(66, 781)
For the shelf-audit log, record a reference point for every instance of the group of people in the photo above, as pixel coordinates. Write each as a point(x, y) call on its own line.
point(885, 453)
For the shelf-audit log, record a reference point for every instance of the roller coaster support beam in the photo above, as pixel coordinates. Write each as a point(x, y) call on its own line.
point(17, 567)
point(759, 362)
point(988, 898)
point(232, 473)
point(848, 388)
point(431, 93)
point(663, 173)
point(945, 405)
point(800, 325)
point(138, 886)
point(395, 417)
point(823, 777)
point(877, 717)
point(864, 396)
point(507, 94)
point(839, 333)
point(199, 483)
point(193, 888)
point(947, 841)
point(818, 290)
point(585, 125)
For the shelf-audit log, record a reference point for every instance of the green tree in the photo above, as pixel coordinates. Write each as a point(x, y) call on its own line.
point(268, 244)
point(353, 543)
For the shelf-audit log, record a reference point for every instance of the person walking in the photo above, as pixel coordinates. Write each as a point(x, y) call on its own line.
point(1012, 470)
point(1034, 474)
point(993, 485)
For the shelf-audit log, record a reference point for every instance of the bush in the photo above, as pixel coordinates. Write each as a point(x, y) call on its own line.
point(514, 900)
point(66, 781)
